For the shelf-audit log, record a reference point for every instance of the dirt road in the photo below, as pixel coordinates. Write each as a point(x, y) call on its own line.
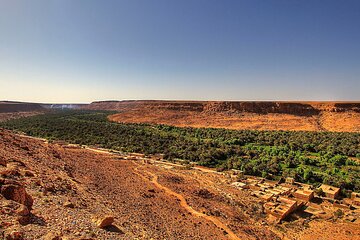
point(185, 205)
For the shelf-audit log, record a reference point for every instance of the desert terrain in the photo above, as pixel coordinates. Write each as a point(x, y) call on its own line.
point(294, 116)
point(70, 187)
point(297, 116)
point(57, 190)
point(60, 191)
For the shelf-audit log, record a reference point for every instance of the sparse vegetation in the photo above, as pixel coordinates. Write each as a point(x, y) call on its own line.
point(311, 157)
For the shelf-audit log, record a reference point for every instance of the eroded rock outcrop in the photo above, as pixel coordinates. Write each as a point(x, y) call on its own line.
point(252, 115)
point(103, 221)
point(18, 194)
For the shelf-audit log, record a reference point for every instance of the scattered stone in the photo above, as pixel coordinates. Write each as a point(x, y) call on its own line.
point(15, 165)
point(9, 204)
point(14, 235)
point(17, 194)
point(11, 182)
point(204, 193)
point(3, 162)
point(69, 204)
point(104, 221)
point(28, 173)
point(9, 172)
point(52, 236)
point(174, 179)
point(48, 188)
point(351, 218)
point(146, 195)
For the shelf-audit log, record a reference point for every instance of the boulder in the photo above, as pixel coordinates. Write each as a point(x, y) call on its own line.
point(11, 182)
point(18, 194)
point(102, 222)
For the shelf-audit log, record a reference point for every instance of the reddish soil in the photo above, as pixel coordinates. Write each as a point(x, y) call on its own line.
point(326, 230)
point(148, 201)
point(97, 184)
point(308, 116)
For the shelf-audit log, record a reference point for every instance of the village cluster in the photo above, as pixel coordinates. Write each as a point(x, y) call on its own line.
point(284, 197)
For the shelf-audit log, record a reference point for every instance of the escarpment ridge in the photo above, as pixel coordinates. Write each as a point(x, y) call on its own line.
point(7, 107)
point(260, 107)
point(259, 115)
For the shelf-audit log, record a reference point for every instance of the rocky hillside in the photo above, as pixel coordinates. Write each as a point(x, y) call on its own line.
point(310, 116)
point(56, 191)
point(50, 191)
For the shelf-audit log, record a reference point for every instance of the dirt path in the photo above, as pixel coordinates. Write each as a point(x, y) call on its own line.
point(185, 205)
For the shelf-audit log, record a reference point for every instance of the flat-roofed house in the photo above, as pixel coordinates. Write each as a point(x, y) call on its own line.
point(263, 195)
point(282, 208)
point(330, 191)
point(303, 194)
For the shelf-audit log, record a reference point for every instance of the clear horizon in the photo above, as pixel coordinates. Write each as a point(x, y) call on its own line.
point(84, 51)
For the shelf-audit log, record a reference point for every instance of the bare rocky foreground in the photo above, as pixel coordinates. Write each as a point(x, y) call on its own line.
point(50, 191)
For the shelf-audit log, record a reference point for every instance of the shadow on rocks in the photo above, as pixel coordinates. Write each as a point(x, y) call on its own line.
point(113, 228)
point(37, 220)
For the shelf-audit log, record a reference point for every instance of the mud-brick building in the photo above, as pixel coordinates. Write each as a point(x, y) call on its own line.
point(330, 191)
point(305, 194)
point(263, 195)
point(281, 208)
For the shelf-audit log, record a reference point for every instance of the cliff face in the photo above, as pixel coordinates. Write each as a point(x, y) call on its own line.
point(293, 108)
point(304, 116)
point(142, 104)
point(10, 107)
point(262, 107)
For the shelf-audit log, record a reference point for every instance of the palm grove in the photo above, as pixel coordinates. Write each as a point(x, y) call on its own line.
point(309, 157)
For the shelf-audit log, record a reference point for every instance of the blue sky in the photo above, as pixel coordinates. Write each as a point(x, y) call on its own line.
point(80, 51)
